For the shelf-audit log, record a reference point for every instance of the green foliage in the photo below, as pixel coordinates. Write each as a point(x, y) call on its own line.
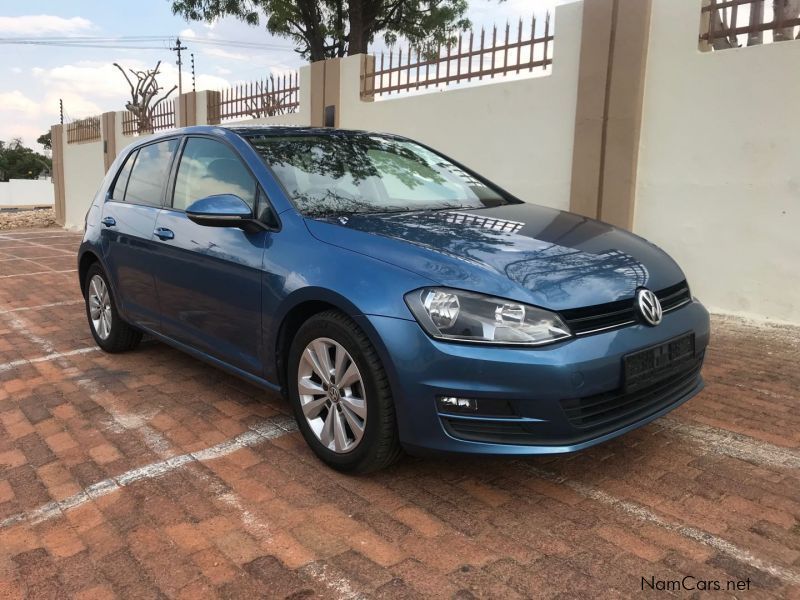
point(333, 28)
point(19, 162)
point(45, 141)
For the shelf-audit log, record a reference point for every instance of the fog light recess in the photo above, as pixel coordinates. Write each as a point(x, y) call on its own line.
point(451, 404)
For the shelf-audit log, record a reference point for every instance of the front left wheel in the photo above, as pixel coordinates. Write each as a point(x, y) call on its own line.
point(110, 332)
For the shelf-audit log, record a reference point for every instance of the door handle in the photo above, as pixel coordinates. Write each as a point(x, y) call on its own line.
point(163, 233)
point(109, 221)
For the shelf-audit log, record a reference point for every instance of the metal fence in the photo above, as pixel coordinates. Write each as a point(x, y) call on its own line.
point(83, 130)
point(266, 98)
point(472, 57)
point(736, 23)
point(162, 117)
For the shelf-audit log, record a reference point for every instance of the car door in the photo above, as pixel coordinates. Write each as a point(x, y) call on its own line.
point(128, 221)
point(209, 278)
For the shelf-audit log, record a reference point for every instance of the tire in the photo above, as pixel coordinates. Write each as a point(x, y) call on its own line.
point(379, 443)
point(117, 336)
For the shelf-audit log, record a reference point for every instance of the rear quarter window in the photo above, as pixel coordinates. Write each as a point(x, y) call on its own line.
point(117, 192)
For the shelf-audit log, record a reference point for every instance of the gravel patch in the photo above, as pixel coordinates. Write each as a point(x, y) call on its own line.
point(26, 219)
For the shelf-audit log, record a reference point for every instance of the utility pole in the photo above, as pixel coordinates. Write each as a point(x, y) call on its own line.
point(177, 48)
point(192, 55)
point(61, 110)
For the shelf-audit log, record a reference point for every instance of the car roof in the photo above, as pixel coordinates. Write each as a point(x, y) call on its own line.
point(268, 130)
point(254, 131)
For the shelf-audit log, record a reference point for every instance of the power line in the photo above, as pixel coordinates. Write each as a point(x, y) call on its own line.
point(133, 42)
point(101, 45)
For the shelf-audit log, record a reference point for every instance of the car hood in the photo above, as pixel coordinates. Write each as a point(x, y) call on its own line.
point(526, 252)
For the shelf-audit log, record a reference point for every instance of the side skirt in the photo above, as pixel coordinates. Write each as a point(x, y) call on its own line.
point(241, 374)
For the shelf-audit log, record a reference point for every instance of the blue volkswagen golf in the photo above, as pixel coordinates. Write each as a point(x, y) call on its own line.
point(399, 300)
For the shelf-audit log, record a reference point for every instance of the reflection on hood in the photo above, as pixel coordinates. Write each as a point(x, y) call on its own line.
point(561, 259)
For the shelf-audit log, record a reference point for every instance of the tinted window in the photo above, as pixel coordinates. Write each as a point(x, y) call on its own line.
point(150, 172)
point(118, 191)
point(208, 168)
point(369, 173)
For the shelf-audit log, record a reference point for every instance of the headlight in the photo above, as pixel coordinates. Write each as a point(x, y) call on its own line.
point(468, 317)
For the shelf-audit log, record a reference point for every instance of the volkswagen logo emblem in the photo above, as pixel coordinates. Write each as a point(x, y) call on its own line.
point(333, 394)
point(649, 306)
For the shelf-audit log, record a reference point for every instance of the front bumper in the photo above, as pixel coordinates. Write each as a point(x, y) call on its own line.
point(543, 386)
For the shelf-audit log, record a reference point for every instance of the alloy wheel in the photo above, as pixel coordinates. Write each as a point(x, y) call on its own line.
point(332, 395)
point(100, 307)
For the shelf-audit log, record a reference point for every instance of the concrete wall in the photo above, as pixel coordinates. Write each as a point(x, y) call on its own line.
point(84, 170)
point(518, 133)
point(719, 165)
point(26, 192)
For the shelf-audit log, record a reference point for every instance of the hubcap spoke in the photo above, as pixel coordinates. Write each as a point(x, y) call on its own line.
point(326, 435)
point(312, 408)
point(355, 404)
point(331, 394)
point(306, 387)
point(340, 441)
point(321, 351)
point(95, 289)
point(356, 424)
point(350, 376)
point(311, 357)
point(339, 362)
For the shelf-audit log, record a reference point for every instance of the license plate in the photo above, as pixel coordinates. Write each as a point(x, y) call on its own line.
point(652, 364)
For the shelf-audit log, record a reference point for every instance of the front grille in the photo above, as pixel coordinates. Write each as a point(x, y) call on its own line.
point(622, 312)
point(590, 417)
point(611, 410)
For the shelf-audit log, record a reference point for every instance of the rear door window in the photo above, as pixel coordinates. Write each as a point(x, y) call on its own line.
point(208, 168)
point(149, 173)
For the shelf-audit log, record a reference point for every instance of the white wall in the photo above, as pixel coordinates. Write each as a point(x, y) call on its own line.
point(719, 165)
point(84, 170)
point(26, 192)
point(518, 133)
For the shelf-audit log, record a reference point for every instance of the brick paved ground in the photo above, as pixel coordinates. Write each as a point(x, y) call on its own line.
point(149, 474)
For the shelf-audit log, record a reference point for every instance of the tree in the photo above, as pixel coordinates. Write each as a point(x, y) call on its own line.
point(19, 162)
point(45, 141)
point(334, 28)
point(143, 94)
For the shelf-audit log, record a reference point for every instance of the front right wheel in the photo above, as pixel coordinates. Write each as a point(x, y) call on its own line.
point(341, 395)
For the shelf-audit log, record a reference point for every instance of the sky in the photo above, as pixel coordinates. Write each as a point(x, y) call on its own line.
point(33, 77)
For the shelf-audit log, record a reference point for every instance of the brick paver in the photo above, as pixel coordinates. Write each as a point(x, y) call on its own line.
point(149, 474)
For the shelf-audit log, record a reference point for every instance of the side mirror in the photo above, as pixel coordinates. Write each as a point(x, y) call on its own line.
point(223, 210)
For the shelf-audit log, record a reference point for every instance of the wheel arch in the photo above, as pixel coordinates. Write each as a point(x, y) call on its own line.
point(86, 260)
point(301, 306)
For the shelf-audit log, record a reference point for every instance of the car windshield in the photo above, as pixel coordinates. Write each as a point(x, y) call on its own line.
point(339, 174)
